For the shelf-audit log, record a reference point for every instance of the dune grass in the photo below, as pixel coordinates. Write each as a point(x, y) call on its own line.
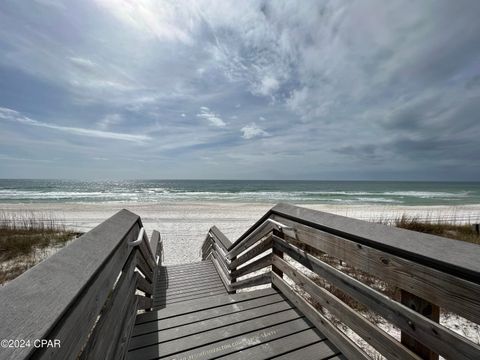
point(25, 238)
point(451, 230)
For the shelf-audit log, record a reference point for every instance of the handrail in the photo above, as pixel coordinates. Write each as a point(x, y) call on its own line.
point(67, 297)
point(430, 250)
point(139, 238)
point(428, 275)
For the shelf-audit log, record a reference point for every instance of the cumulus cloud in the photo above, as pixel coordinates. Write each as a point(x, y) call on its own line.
point(211, 117)
point(251, 131)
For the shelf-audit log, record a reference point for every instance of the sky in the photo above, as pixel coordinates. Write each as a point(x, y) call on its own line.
point(142, 89)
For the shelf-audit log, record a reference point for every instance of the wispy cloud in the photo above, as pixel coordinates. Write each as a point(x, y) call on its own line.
point(213, 119)
point(157, 19)
point(15, 116)
point(300, 76)
point(252, 130)
point(108, 120)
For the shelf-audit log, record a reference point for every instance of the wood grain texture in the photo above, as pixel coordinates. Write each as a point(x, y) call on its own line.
point(346, 346)
point(155, 239)
point(221, 238)
point(384, 343)
point(66, 290)
point(260, 279)
point(200, 315)
point(448, 291)
point(459, 259)
point(260, 248)
point(102, 342)
point(264, 261)
point(251, 239)
point(431, 334)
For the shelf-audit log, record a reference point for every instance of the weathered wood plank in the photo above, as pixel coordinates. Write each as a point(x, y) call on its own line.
point(204, 269)
point(181, 284)
point(191, 317)
point(192, 289)
point(257, 250)
point(127, 328)
point(224, 277)
point(143, 303)
point(309, 352)
point(251, 229)
point(191, 307)
point(258, 264)
point(448, 291)
point(173, 290)
point(272, 349)
point(460, 260)
point(187, 267)
point(256, 280)
point(198, 295)
point(155, 239)
point(346, 346)
point(221, 261)
point(102, 342)
point(145, 286)
point(206, 246)
point(226, 347)
point(384, 343)
point(222, 239)
point(171, 296)
point(427, 309)
point(39, 303)
point(437, 337)
point(285, 323)
point(230, 319)
point(166, 274)
point(147, 254)
point(251, 239)
point(144, 268)
point(170, 278)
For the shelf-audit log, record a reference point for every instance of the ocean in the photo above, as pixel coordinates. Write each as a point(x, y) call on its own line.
point(265, 191)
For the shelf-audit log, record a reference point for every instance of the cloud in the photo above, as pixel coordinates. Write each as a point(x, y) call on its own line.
point(15, 116)
point(159, 19)
point(252, 131)
point(268, 85)
point(213, 119)
point(342, 88)
point(108, 120)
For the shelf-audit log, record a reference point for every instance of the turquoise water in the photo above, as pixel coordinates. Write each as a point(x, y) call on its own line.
point(324, 192)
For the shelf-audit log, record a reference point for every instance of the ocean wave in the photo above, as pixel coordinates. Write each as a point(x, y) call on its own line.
point(158, 193)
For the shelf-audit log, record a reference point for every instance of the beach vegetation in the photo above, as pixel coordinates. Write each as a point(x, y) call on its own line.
point(456, 231)
point(27, 238)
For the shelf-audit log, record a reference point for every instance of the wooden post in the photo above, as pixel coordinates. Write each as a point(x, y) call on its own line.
point(279, 253)
point(233, 280)
point(476, 228)
point(428, 310)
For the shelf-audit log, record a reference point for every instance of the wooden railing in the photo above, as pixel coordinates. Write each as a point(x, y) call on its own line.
point(429, 273)
point(85, 297)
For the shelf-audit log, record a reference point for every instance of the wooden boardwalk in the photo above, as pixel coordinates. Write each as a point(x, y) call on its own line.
point(186, 282)
point(107, 295)
point(207, 324)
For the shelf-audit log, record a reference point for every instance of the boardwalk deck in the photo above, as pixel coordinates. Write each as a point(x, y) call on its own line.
point(106, 296)
point(185, 282)
point(252, 325)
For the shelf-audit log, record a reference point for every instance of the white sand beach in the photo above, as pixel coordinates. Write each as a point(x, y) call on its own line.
point(183, 225)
